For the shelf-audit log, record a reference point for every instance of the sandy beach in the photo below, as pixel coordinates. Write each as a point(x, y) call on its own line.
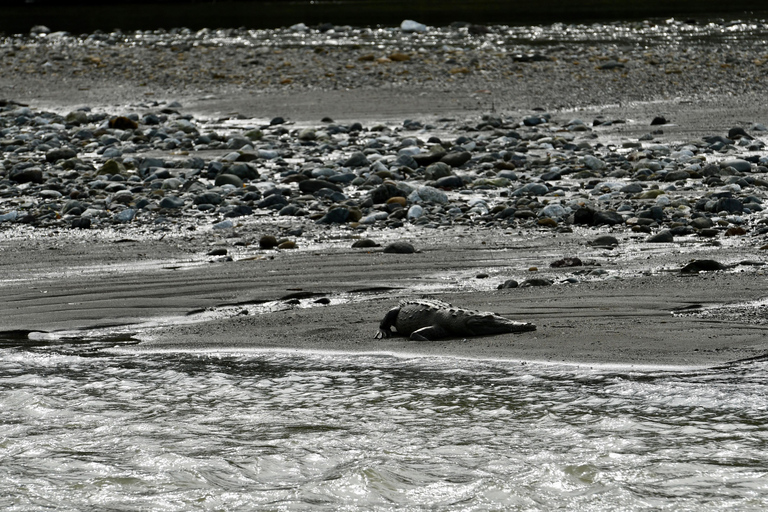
point(166, 291)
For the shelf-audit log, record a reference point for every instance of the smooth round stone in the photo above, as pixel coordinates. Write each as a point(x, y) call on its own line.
point(365, 243)
point(399, 248)
point(238, 142)
point(509, 283)
point(126, 215)
point(737, 164)
point(28, 175)
point(554, 211)
point(428, 194)
point(594, 163)
point(172, 184)
point(414, 212)
point(437, 170)
point(335, 216)
point(225, 224)
point(172, 202)
point(450, 182)
point(208, 198)
point(276, 201)
point(532, 189)
point(456, 158)
point(81, 223)
point(9, 217)
point(406, 161)
point(57, 154)
point(290, 210)
point(510, 175)
point(632, 188)
point(357, 159)
point(76, 118)
point(123, 197)
point(608, 217)
point(412, 26)
point(605, 241)
point(307, 134)
point(373, 217)
point(661, 237)
point(323, 172)
point(228, 179)
point(701, 223)
point(50, 194)
point(268, 154)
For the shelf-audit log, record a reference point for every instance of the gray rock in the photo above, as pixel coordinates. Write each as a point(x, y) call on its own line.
point(399, 248)
point(607, 217)
point(311, 186)
point(335, 216)
point(208, 198)
point(365, 243)
point(228, 179)
point(225, 224)
point(531, 189)
point(57, 154)
point(605, 241)
point(406, 161)
point(737, 164)
point(456, 158)
point(273, 201)
point(729, 204)
point(77, 118)
point(81, 223)
point(428, 194)
point(10, 216)
point(701, 223)
point(357, 159)
point(412, 26)
point(594, 163)
point(450, 182)
point(414, 212)
point(535, 282)
point(436, 171)
point(172, 202)
point(126, 215)
point(27, 175)
point(631, 188)
point(664, 236)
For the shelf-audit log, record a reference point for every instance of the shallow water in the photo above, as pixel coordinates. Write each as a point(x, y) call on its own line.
point(84, 428)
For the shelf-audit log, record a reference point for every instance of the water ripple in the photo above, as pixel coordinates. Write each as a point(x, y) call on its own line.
point(285, 432)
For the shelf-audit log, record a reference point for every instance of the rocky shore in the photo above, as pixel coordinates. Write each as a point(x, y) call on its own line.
point(576, 170)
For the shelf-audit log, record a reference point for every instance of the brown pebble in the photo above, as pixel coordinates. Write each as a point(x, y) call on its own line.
point(123, 123)
point(267, 242)
point(547, 222)
point(397, 200)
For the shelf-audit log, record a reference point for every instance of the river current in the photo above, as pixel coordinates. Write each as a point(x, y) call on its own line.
point(89, 429)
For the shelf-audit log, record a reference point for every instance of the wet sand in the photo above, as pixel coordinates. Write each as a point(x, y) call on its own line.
point(154, 290)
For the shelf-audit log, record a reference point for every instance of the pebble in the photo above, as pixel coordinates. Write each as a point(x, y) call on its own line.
point(537, 171)
point(399, 248)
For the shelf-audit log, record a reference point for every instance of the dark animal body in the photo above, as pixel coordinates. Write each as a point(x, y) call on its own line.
point(429, 319)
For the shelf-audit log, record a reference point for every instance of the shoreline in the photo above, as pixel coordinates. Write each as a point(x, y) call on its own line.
point(626, 321)
point(170, 260)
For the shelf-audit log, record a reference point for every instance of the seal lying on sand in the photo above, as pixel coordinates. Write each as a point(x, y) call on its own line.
point(430, 319)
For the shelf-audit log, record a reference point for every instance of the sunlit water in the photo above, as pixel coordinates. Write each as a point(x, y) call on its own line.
point(83, 429)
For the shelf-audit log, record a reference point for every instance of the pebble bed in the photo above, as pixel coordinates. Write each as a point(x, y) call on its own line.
point(89, 170)
point(154, 165)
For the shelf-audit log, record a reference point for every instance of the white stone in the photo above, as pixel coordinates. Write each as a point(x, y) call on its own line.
point(412, 26)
